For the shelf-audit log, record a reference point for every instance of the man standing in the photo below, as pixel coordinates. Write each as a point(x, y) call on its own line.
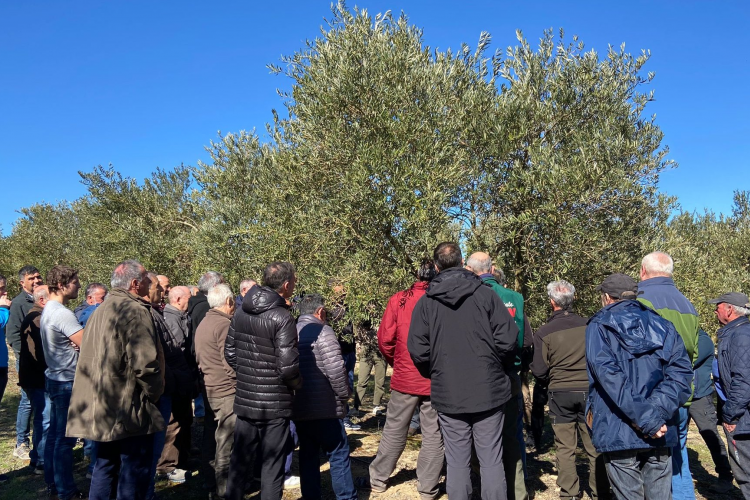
point(29, 278)
point(176, 453)
point(463, 339)
point(61, 338)
point(639, 375)
point(95, 294)
point(733, 361)
point(658, 291)
point(31, 375)
point(262, 348)
point(245, 285)
point(560, 362)
point(369, 358)
point(410, 391)
point(119, 379)
point(219, 378)
point(319, 406)
point(480, 264)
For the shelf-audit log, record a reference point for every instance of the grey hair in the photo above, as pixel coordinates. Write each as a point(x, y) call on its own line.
point(658, 263)
point(95, 286)
point(479, 264)
point(127, 271)
point(499, 276)
point(561, 293)
point(742, 311)
point(218, 295)
point(247, 284)
point(209, 280)
point(310, 303)
point(41, 292)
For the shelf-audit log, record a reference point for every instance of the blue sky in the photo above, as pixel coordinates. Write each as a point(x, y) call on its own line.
point(148, 84)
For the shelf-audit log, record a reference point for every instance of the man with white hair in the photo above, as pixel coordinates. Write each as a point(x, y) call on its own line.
point(733, 359)
point(560, 363)
point(219, 378)
point(657, 291)
point(245, 285)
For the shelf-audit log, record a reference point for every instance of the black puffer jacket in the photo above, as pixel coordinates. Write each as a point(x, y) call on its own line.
point(178, 377)
point(326, 388)
point(261, 346)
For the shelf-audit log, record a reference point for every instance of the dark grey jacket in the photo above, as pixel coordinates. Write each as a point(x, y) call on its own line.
point(326, 387)
point(261, 347)
point(178, 378)
point(19, 308)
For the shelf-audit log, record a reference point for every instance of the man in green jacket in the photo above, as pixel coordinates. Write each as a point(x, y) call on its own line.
point(119, 379)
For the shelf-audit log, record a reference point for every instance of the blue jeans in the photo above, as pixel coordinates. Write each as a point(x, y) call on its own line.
point(58, 451)
point(41, 406)
point(90, 450)
point(682, 480)
point(165, 407)
point(639, 473)
point(124, 463)
point(23, 417)
point(200, 408)
point(330, 435)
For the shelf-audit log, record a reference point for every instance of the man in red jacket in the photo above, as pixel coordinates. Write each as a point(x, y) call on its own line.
point(409, 390)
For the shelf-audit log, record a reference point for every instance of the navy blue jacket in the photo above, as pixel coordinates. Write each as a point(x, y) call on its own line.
point(734, 369)
point(702, 367)
point(639, 375)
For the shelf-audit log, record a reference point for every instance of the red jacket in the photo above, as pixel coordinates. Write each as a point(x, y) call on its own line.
point(392, 334)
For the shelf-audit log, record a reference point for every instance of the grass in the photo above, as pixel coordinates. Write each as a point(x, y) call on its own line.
point(23, 485)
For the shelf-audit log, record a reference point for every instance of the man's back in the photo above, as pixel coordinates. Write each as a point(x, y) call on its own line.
point(262, 349)
point(463, 338)
point(560, 352)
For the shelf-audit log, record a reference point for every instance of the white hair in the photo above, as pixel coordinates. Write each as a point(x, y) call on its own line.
point(209, 280)
point(658, 264)
point(41, 292)
point(561, 293)
point(742, 311)
point(218, 295)
point(480, 263)
point(247, 284)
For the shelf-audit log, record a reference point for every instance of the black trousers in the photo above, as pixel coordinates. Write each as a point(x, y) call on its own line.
point(268, 439)
point(703, 413)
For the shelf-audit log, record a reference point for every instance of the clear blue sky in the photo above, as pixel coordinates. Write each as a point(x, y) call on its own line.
point(148, 84)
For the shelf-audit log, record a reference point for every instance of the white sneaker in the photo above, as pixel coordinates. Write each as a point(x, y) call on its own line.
point(177, 476)
point(22, 451)
point(351, 426)
point(291, 482)
point(378, 410)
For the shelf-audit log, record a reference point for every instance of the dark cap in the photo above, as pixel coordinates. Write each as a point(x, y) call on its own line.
point(619, 286)
point(735, 298)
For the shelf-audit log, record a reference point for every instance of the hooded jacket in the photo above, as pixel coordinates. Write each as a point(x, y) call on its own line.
point(178, 377)
point(639, 376)
point(326, 388)
point(733, 361)
point(463, 339)
point(120, 373)
point(261, 347)
point(392, 335)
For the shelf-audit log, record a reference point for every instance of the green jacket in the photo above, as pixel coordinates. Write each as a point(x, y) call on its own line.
point(514, 303)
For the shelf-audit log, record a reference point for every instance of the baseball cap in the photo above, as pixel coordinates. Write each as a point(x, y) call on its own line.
point(734, 298)
point(619, 286)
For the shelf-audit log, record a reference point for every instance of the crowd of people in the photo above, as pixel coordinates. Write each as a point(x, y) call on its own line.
point(268, 371)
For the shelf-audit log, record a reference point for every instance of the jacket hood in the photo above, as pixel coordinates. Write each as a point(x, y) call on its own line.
point(631, 323)
point(260, 299)
point(453, 286)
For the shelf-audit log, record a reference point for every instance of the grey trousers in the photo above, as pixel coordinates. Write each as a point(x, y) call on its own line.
point(393, 440)
point(367, 361)
point(225, 418)
point(703, 413)
point(640, 474)
point(484, 429)
point(739, 459)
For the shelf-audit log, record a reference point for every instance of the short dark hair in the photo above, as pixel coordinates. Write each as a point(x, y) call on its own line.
point(60, 275)
point(277, 273)
point(94, 286)
point(26, 270)
point(310, 303)
point(3, 278)
point(446, 255)
point(426, 270)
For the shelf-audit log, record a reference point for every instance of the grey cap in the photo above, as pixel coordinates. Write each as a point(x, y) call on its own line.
point(735, 298)
point(619, 286)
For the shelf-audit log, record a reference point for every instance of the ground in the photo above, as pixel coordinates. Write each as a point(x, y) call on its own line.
point(23, 485)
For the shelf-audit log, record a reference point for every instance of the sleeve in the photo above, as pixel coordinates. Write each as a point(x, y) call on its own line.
point(675, 389)
point(738, 392)
point(528, 335)
point(387, 332)
point(333, 363)
point(504, 331)
point(605, 371)
point(221, 340)
point(68, 324)
point(539, 365)
point(418, 341)
point(145, 356)
point(287, 355)
point(230, 353)
point(4, 315)
point(13, 326)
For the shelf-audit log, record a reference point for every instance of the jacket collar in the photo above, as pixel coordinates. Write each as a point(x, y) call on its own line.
point(216, 312)
point(309, 318)
point(656, 281)
point(559, 313)
point(121, 292)
point(169, 308)
point(420, 285)
point(732, 325)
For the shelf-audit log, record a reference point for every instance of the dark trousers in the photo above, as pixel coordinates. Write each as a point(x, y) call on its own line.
point(208, 442)
point(703, 413)
point(176, 451)
point(126, 463)
point(739, 458)
point(512, 451)
point(223, 409)
point(484, 429)
point(566, 411)
point(272, 438)
point(538, 401)
point(330, 436)
point(640, 474)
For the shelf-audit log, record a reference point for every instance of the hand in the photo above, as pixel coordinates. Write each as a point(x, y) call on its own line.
point(660, 432)
point(4, 300)
point(730, 427)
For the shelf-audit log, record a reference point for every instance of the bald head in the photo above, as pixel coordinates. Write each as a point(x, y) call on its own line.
point(179, 296)
point(41, 295)
point(656, 264)
point(479, 263)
